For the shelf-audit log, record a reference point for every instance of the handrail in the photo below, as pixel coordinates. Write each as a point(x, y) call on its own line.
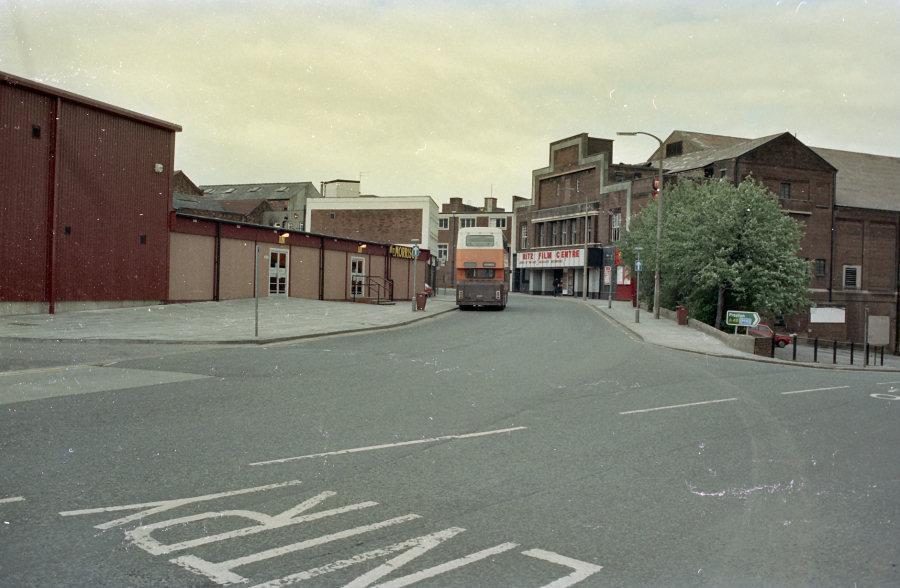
point(383, 288)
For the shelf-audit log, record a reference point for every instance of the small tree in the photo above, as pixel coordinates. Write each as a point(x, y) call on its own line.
point(722, 243)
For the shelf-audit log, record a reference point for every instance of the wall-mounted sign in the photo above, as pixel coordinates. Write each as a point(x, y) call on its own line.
point(827, 314)
point(551, 258)
point(402, 251)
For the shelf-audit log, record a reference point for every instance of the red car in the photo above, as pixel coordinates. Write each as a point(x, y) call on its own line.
point(764, 330)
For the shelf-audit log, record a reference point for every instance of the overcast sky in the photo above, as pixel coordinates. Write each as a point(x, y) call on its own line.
point(448, 99)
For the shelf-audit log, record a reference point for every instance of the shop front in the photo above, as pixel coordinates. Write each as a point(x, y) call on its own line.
point(560, 272)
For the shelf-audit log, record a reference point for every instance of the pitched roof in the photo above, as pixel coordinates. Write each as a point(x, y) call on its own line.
point(243, 207)
point(268, 191)
point(864, 180)
point(181, 200)
point(699, 159)
point(698, 142)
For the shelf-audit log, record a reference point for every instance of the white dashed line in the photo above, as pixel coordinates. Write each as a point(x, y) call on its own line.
point(886, 383)
point(388, 445)
point(677, 406)
point(12, 499)
point(816, 390)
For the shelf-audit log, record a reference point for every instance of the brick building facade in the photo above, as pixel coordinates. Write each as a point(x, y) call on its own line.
point(846, 202)
point(581, 204)
point(343, 212)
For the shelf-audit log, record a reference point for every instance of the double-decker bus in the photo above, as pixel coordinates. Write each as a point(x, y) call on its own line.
point(481, 271)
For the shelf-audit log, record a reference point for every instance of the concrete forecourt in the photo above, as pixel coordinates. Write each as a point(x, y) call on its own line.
point(543, 446)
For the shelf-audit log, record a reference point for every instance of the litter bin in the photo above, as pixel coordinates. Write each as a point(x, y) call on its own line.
point(681, 315)
point(421, 297)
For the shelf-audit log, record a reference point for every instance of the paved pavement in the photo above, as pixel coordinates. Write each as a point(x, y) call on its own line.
point(667, 333)
point(230, 321)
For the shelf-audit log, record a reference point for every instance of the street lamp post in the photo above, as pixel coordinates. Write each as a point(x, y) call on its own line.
point(659, 208)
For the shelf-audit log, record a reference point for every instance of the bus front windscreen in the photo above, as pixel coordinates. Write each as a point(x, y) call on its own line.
point(479, 240)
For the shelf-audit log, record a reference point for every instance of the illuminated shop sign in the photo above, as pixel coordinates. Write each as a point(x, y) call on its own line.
point(551, 258)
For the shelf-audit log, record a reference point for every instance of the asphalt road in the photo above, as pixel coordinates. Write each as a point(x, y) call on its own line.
point(513, 448)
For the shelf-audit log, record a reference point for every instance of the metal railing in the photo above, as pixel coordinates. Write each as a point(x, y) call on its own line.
point(375, 287)
point(816, 350)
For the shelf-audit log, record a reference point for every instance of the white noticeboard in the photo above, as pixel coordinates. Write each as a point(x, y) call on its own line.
point(824, 314)
point(879, 330)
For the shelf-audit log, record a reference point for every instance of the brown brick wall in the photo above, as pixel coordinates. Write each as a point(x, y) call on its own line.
point(392, 226)
point(561, 190)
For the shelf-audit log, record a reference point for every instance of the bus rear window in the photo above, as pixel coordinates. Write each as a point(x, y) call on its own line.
point(479, 240)
point(480, 274)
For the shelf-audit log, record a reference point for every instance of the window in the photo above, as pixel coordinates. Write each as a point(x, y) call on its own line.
point(466, 222)
point(541, 237)
point(443, 223)
point(564, 233)
point(330, 215)
point(575, 231)
point(479, 240)
point(852, 277)
point(480, 274)
point(673, 149)
point(442, 251)
point(554, 237)
point(819, 267)
point(523, 236)
point(590, 232)
point(723, 173)
point(615, 224)
point(785, 190)
point(500, 223)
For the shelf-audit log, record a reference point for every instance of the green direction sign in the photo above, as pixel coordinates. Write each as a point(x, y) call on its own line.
point(741, 318)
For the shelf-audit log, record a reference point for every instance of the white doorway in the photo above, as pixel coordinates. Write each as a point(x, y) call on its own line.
point(278, 272)
point(357, 276)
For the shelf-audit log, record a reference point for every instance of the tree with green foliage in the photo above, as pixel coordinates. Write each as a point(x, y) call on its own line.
point(722, 244)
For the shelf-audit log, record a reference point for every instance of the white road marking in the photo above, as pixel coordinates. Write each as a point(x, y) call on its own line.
point(885, 396)
point(12, 499)
point(886, 383)
point(677, 406)
point(221, 572)
point(444, 567)
point(388, 445)
point(424, 545)
point(436, 538)
point(141, 535)
point(151, 508)
point(582, 569)
point(816, 390)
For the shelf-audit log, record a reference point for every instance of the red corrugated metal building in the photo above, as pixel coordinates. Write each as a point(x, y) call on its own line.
point(84, 199)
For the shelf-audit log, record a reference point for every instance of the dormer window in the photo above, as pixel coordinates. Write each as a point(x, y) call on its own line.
point(674, 149)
